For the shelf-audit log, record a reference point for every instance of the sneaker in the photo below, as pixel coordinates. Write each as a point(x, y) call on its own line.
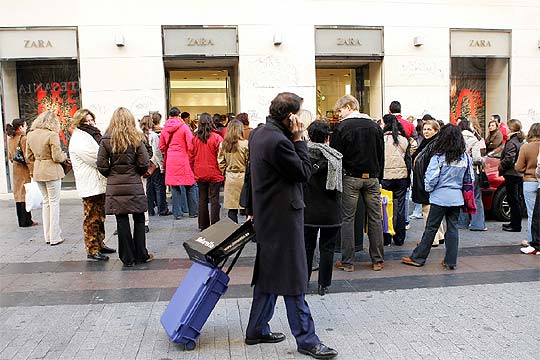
point(449, 267)
point(473, 229)
point(345, 267)
point(407, 226)
point(525, 243)
point(409, 261)
point(416, 216)
point(377, 266)
point(529, 250)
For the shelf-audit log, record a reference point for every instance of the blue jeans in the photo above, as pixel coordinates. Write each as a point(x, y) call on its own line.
point(451, 236)
point(192, 200)
point(475, 221)
point(298, 314)
point(530, 188)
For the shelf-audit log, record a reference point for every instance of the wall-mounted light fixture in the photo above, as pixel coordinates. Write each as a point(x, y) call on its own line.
point(119, 40)
point(418, 41)
point(278, 39)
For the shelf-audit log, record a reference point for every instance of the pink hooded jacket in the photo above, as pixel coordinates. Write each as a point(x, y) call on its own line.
point(175, 143)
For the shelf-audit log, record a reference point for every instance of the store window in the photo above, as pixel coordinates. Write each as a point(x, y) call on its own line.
point(480, 71)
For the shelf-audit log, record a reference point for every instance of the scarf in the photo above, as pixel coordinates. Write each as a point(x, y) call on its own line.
point(334, 176)
point(92, 130)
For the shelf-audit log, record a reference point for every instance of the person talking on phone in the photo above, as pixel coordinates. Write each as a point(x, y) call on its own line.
point(280, 164)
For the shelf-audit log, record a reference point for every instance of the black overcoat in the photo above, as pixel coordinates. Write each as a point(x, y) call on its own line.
point(278, 169)
point(125, 193)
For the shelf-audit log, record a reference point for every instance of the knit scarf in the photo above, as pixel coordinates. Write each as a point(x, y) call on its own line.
point(334, 176)
point(92, 130)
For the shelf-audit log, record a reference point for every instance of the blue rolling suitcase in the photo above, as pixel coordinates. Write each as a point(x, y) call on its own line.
point(193, 302)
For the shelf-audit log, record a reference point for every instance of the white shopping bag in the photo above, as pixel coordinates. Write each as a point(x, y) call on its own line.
point(34, 199)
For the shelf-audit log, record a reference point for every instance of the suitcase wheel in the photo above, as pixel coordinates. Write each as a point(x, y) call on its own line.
point(190, 345)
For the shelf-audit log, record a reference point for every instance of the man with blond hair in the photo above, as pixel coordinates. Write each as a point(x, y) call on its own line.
point(361, 142)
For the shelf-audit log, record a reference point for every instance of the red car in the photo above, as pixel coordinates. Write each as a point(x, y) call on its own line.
point(494, 197)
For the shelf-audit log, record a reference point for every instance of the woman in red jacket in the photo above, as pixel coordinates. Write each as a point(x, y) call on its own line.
point(205, 167)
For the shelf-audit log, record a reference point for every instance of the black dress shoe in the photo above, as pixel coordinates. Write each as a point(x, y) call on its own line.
point(511, 229)
point(323, 290)
point(319, 351)
point(107, 250)
point(146, 229)
point(269, 338)
point(97, 256)
point(169, 212)
point(507, 225)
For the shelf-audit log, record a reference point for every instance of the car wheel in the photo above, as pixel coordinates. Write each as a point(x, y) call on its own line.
point(500, 208)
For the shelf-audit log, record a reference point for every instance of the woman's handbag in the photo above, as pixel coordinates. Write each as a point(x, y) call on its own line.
point(469, 205)
point(151, 168)
point(387, 205)
point(483, 179)
point(19, 156)
point(67, 166)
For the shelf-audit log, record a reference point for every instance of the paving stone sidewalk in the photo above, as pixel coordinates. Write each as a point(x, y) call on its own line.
point(468, 322)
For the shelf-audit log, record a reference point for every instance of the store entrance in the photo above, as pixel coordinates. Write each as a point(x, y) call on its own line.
point(209, 88)
point(361, 80)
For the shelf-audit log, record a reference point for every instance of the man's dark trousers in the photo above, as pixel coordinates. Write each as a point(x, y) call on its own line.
point(298, 314)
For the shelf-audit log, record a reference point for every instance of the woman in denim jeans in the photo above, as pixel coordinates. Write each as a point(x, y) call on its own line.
point(444, 182)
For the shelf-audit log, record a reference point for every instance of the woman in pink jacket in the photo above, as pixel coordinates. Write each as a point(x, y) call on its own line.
point(175, 143)
point(205, 166)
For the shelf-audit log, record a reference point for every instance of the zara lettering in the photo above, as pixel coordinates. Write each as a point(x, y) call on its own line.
point(479, 43)
point(200, 42)
point(37, 44)
point(349, 42)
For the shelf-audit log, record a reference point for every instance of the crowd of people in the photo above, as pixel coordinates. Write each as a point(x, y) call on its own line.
point(303, 184)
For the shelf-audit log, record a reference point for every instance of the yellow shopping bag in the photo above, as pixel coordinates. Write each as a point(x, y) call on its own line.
point(387, 211)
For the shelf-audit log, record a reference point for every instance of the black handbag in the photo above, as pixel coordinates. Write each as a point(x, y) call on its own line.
point(483, 179)
point(19, 155)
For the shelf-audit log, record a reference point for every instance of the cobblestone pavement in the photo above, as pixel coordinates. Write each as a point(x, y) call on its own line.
point(56, 305)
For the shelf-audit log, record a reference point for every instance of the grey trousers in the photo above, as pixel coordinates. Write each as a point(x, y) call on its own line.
point(369, 189)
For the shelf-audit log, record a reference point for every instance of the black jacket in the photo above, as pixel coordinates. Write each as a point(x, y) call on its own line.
point(323, 207)
point(279, 166)
point(509, 157)
point(419, 194)
point(361, 142)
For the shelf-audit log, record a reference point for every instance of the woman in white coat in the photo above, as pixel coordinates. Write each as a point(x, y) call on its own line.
point(91, 185)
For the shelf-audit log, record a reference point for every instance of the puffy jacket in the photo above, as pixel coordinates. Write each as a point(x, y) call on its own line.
point(444, 181)
point(125, 193)
point(175, 142)
point(83, 150)
point(204, 159)
point(395, 166)
point(509, 156)
point(472, 146)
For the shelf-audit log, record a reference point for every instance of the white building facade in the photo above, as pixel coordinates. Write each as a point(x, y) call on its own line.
point(443, 57)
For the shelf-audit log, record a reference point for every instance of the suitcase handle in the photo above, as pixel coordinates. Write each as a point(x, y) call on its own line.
point(234, 260)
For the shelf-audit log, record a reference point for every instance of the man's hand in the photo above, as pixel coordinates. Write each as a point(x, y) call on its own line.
point(297, 128)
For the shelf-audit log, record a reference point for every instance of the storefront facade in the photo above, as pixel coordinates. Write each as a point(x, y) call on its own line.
point(446, 60)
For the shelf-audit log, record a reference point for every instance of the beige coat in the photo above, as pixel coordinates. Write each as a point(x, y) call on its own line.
point(44, 152)
point(394, 157)
point(233, 166)
point(527, 159)
point(21, 173)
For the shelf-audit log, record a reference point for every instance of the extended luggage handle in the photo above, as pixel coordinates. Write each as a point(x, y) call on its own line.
point(235, 259)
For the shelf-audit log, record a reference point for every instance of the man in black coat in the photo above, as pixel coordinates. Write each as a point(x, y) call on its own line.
point(279, 165)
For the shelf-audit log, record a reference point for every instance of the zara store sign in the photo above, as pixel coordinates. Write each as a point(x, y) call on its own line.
point(200, 41)
point(29, 43)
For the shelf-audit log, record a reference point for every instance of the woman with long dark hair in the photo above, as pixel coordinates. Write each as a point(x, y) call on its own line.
point(513, 180)
point(16, 132)
point(396, 174)
point(232, 160)
point(123, 159)
point(205, 167)
point(444, 182)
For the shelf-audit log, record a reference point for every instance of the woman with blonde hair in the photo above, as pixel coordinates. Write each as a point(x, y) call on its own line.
point(232, 160)
point(306, 118)
point(91, 185)
point(16, 132)
point(123, 159)
point(45, 157)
